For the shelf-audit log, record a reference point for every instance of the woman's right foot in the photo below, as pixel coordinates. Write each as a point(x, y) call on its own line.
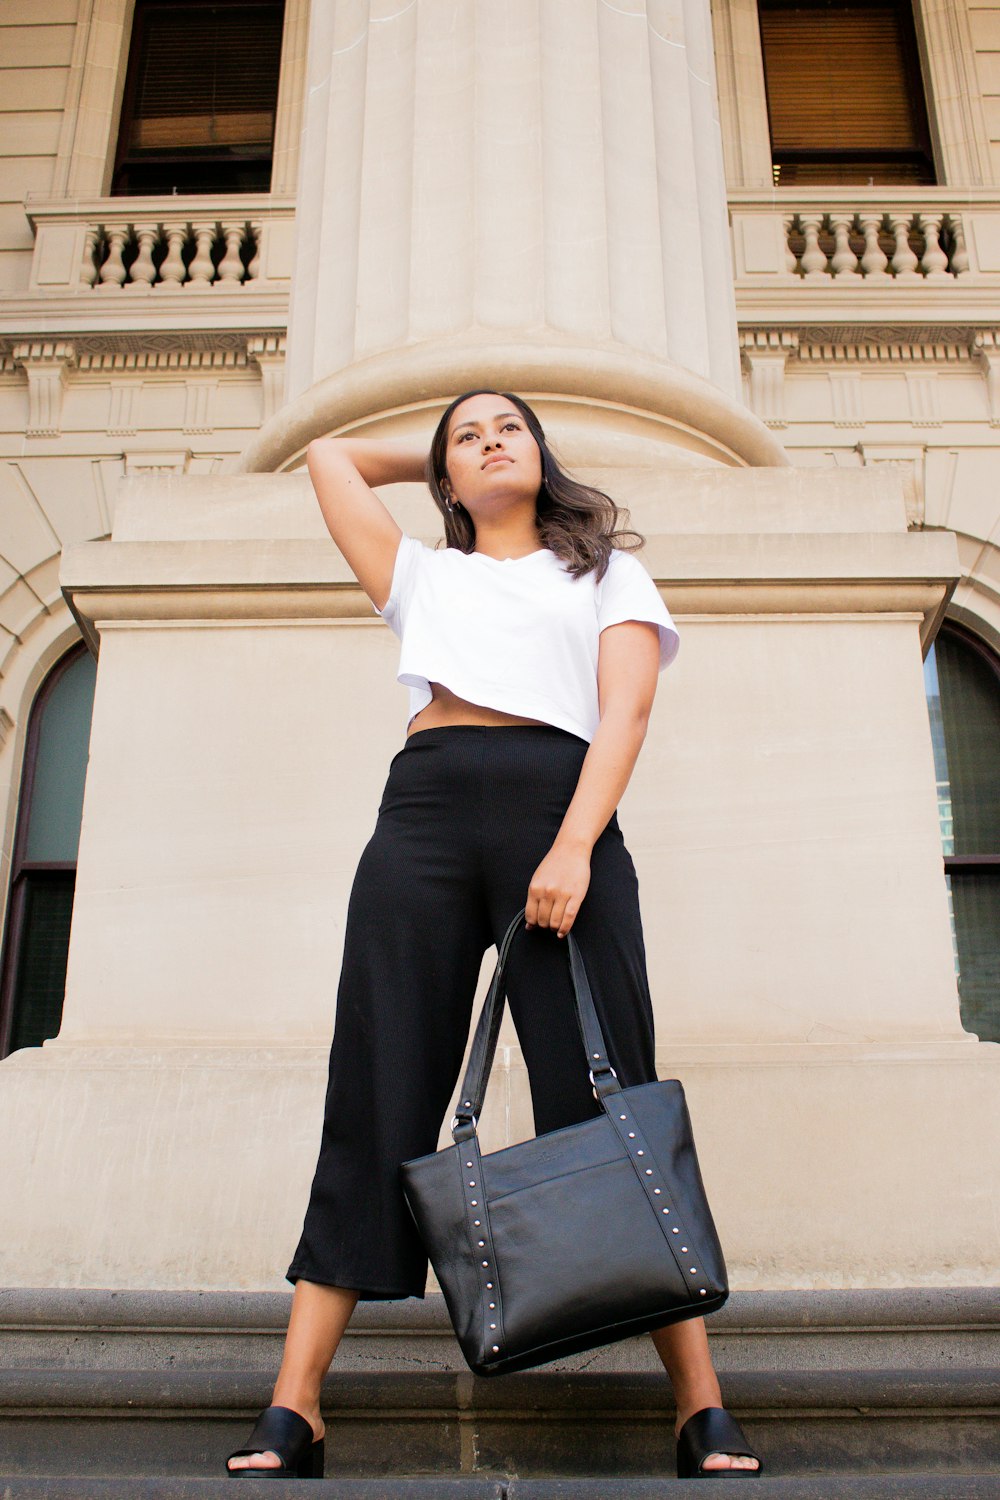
point(269, 1459)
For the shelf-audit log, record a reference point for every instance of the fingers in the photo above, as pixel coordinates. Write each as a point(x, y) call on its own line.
point(558, 913)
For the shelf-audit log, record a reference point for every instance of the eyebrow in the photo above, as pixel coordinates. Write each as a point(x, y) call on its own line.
point(499, 418)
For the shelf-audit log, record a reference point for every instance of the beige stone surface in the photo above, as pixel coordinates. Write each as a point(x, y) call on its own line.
point(782, 815)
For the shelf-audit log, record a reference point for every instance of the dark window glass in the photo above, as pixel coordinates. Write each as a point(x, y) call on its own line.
point(963, 697)
point(200, 98)
point(43, 876)
point(845, 97)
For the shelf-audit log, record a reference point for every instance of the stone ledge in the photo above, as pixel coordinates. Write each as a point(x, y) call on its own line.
point(899, 1307)
point(819, 1487)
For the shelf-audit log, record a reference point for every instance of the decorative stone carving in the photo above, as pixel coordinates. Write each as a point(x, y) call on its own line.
point(45, 364)
point(986, 346)
point(267, 352)
point(765, 352)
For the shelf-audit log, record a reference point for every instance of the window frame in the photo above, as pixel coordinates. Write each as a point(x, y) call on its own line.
point(140, 20)
point(952, 91)
point(967, 862)
point(17, 891)
point(915, 86)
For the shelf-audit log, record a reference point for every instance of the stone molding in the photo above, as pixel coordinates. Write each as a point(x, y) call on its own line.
point(109, 583)
point(45, 364)
point(424, 375)
point(127, 359)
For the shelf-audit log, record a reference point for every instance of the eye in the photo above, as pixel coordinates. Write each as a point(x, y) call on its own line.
point(463, 435)
point(516, 426)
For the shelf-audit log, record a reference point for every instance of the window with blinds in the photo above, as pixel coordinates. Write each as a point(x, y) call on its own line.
point(200, 98)
point(845, 96)
point(962, 681)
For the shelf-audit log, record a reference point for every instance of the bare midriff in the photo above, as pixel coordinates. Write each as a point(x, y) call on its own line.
point(446, 707)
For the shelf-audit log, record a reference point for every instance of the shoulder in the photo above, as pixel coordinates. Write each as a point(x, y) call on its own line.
point(624, 568)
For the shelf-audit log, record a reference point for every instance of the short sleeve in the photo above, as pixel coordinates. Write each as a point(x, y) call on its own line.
point(404, 578)
point(626, 592)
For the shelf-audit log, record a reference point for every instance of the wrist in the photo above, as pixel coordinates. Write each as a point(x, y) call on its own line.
point(573, 841)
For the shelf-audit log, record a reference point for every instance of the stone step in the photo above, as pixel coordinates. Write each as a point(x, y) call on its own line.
point(160, 1386)
point(647, 1487)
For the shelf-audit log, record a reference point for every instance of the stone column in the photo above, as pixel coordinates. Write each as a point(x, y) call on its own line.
point(470, 170)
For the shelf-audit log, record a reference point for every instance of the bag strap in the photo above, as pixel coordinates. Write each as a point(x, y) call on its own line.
point(484, 1043)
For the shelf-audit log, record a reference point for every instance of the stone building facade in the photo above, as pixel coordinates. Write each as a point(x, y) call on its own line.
point(794, 386)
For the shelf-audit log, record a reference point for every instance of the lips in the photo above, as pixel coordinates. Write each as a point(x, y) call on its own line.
point(499, 459)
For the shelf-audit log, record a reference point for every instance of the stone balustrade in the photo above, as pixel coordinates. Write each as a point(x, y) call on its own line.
point(876, 244)
point(891, 237)
point(161, 245)
point(171, 255)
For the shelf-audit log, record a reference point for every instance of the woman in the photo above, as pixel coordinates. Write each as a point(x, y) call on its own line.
point(531, 645)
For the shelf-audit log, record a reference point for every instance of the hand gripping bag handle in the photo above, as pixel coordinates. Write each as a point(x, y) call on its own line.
point(484, 1043)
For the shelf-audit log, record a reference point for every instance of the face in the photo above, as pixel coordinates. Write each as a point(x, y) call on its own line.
point(492, 458)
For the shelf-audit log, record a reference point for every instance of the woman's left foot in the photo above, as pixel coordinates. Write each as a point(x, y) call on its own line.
point(710, 1443)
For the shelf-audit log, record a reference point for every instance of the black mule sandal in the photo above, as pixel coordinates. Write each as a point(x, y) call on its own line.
point(282, 1431)
point(713, 1430)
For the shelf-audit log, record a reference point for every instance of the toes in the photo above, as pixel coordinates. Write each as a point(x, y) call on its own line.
point(256, 1461)
point(728, 1461)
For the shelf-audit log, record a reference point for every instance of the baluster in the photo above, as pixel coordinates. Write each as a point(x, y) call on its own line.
point(843, 260)
point(874, 260)
point(904, 262)
point(201, 270)
point(143, 273)
point(934, 260)
point(113, 269)
point(791, 264)
point(231, 265)
point(813, 258)
point(960, 252)
point(88, 266)
point(173, 270)
point(253, 269)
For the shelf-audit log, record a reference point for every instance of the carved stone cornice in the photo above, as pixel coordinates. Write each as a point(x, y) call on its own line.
point(44, 362)
point(872, 343)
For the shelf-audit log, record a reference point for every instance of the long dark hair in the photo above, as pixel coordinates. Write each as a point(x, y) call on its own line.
point(579, 523)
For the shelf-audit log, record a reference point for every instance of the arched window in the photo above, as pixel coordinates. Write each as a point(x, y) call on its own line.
point(962, 678)
point(43, 873)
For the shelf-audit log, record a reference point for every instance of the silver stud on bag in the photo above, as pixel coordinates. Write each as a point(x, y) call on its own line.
point(640, 1153)
point(623, 1117)
point(472, 1184)
point(631, 1134)
point(693, 1270)
point(675, 1230)
point(468, 1164)
point(485, 1262)
point(489, 1286)
point(657, 1191)
point(683, 1249)
point(492, 1306)
point(703, 1293)
point(493, 1325)
point(664, 1210)
point(496, 1348)
point(474, 1202)
point(649, 1171)
point(481, 1243)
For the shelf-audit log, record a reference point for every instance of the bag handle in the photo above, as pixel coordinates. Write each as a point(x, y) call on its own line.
point(484, 1044)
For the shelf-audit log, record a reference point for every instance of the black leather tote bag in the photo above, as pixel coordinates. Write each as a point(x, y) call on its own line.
point(578, 1237)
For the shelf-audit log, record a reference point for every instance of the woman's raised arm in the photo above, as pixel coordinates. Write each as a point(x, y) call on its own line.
point(343, 471)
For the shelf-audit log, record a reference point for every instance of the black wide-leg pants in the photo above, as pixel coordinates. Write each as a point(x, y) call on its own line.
point(467, 815)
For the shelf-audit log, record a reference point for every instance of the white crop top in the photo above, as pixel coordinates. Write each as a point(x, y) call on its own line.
point(518, 635)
